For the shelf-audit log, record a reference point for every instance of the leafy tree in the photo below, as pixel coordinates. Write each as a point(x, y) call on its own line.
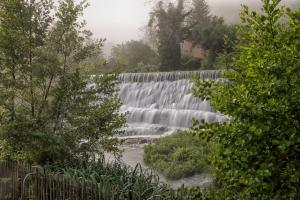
point(190, 63)
point(95, 64)
point(23, 30)
point(132, 54)
point(213, 39)
point(150, 37)
point(51, 111)
point(169, 23)
point(256, 153)
point(199, 17)
point(208, 31)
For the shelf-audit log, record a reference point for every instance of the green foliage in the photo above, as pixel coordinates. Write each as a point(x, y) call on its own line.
point(50, 111)
point(141, 67)
point(123, 182)
point(123, 179)
point(190, 63)
point(176, 156)
point(256, 154)
point(169, 23)
point(225, 57)
point(135, 56)
point(209, 31)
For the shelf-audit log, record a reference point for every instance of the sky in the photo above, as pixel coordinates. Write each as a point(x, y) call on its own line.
point(122, 20)
point(117, 20)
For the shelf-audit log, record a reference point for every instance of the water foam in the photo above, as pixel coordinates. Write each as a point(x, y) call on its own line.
point(162, 102)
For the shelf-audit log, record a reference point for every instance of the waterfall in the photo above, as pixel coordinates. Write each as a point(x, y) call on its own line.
point(159, 103)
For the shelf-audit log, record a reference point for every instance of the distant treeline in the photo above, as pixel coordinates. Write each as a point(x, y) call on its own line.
point(169, 26)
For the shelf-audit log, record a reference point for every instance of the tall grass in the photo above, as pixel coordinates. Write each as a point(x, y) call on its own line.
point(125, 182)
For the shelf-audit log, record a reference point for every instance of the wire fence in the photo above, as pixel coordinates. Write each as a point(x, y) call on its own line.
point(21, 181)
point(26, 182)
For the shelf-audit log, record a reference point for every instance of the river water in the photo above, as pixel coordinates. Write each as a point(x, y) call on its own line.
point(158, 104)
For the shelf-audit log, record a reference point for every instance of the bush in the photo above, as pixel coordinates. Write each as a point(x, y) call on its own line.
point(256, 154)
point(176, 156)
point(190, 63)
point(142, 68)
point(50, 110)
point(123, 182)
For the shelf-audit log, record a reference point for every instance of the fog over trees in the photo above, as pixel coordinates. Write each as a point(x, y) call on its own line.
point(127, 22)
point(220, 110)
point(230, 9)
point(121, 21)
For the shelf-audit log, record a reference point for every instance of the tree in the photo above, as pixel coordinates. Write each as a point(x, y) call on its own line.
point(23, 30)
point(208, 31)
point(169, 26)
point(24, 27)
point(213, 39)
point(150, 37)
point(169, 23)
point(132, 54)
point(54, 112)
point(256, 153)
point(199, 17)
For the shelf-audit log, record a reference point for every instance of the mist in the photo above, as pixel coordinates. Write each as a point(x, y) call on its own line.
point(121, 20)
point(230, 9)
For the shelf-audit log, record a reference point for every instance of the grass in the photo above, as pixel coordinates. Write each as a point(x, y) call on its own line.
point(120, 178)
point(179, 155)
point(123, 182)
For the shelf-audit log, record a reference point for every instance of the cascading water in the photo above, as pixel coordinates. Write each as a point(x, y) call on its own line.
point(159, 103)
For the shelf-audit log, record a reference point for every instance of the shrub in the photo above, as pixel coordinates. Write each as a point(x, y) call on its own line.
point(142, 68)
point(256, 154)
point(49, 110)
point(190, 63)
point(123, 182)
point(176, 156)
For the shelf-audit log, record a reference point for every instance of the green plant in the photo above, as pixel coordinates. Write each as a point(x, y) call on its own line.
point(190, 63)
point(136, 56)
point(122, 182)
point(50, 110)
point(176, 156)
point(122, 179)
point(256, 154)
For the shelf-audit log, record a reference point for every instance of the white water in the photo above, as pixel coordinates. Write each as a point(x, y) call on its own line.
point(160, 103)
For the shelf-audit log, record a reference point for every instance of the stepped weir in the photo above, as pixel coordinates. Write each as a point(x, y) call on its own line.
point(160, 103)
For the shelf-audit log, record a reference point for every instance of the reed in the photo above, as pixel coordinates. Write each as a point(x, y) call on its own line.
point(95, 180)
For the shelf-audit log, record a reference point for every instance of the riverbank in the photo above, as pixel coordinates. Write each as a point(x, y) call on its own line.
point(133, 153)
